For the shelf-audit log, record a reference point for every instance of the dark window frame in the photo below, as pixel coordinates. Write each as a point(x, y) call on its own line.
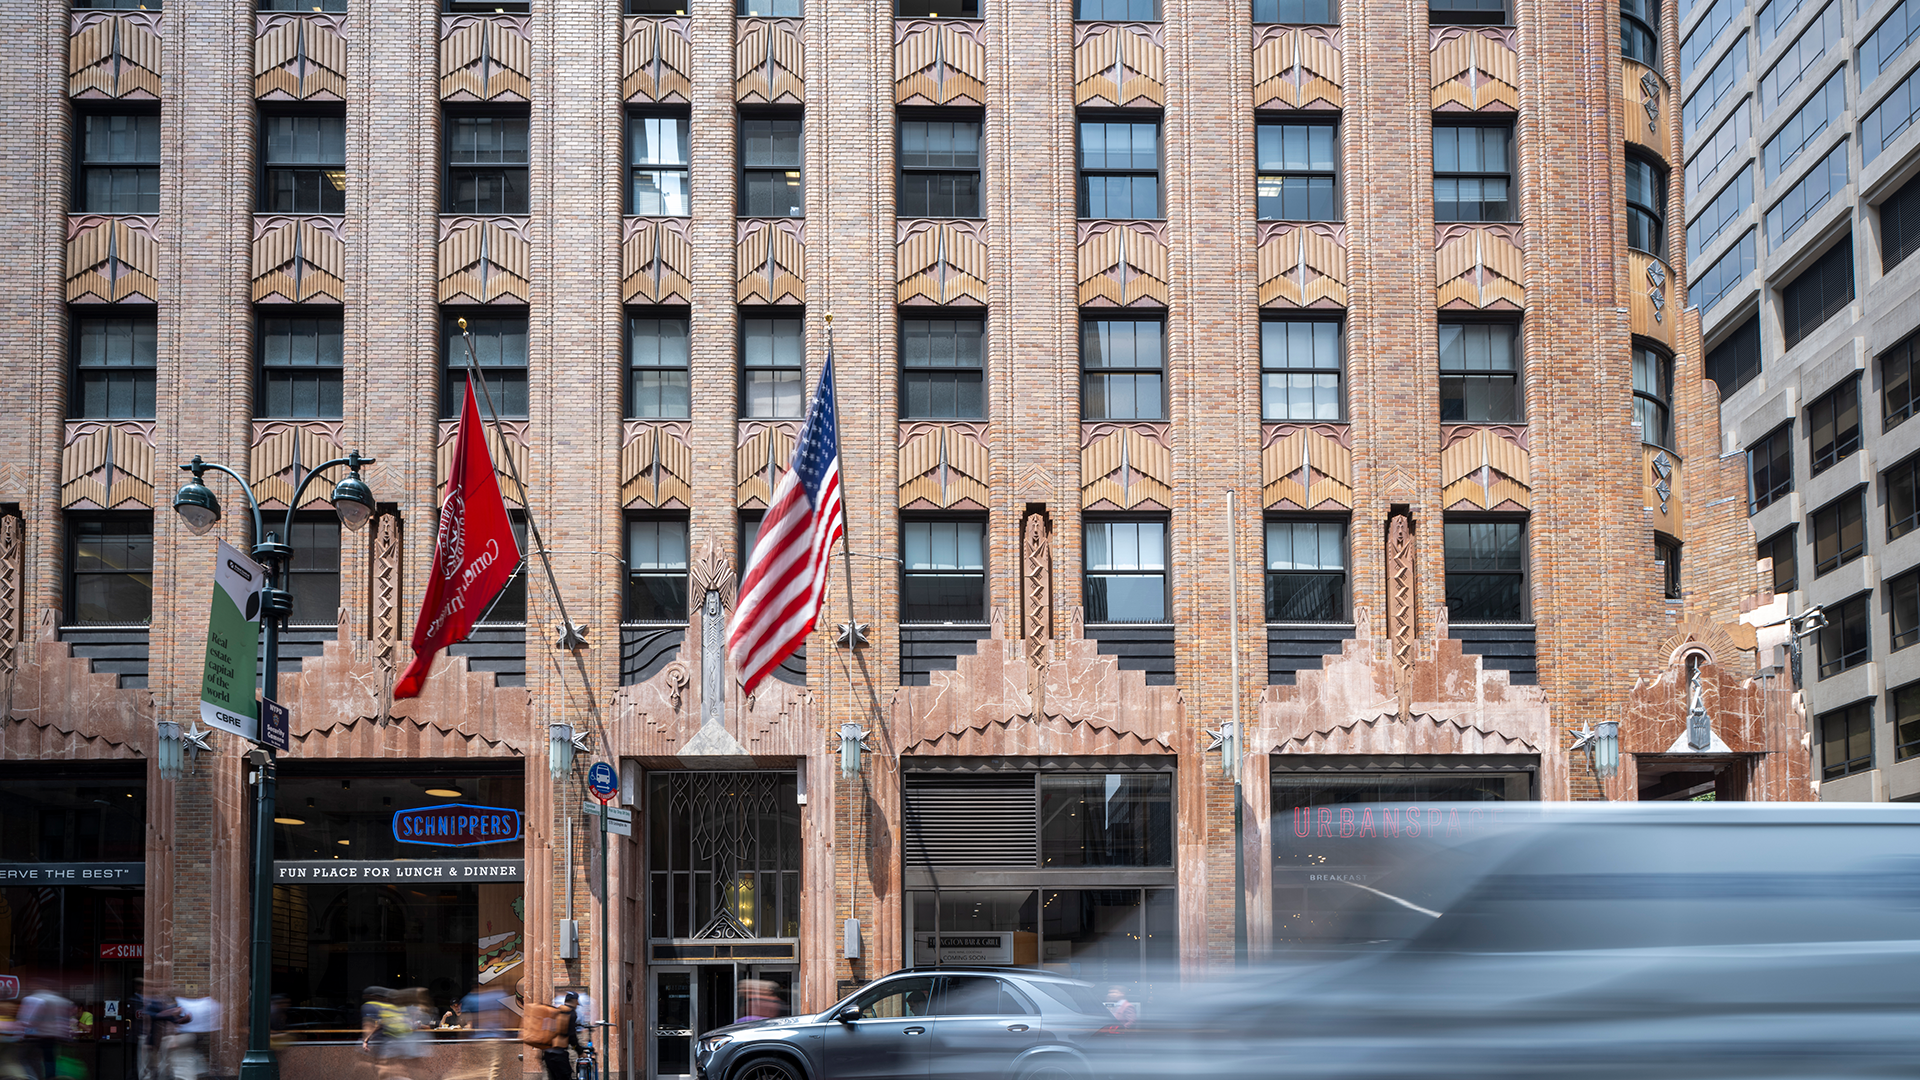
point(958, 373)
point(1769, 482)
point(1469, 13)
point(1164, 573)
point(1858, 731)
point(1310, 176)
point(638, 577)
point(508, 390)
point(304, 567)
point(485, 7)
point(329, 379)
point(666, 384)
point(1899, 396)
point(332, 202)
point(1903, 610)
point(1082, 14)
point(903, 172)
point(1846, 640)
point(932, 9)
point(682, 169)
point(1831, 524)
point(1288, 370)
point(1269, 12)
point(1789, 539)
point(513, 595)
point(71, 575)
point(1508, 175)
point(1461, 372)
point(144, 388)
point(1083, 173)
point(84, 117)
point(1273, 576)
point(1805, 303)
point(1903, 709)
point(511, 203)
point(1524, 574)
point(1638, 26)
point(1736, 360)
point(750, 172)
point(779, 319)
point(1647, 221)
point(1832, 436)
point(911, 614)
point(1900, 236)
point(1666, 552)
point(1900, 482)
point(1658, 400)
point(1136, 371)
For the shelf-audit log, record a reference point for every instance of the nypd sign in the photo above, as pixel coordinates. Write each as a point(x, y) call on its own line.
point(457, 825)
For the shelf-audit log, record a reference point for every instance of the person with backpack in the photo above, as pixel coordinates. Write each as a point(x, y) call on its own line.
point(554, 1030)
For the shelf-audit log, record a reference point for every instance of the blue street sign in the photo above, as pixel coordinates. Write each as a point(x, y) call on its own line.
point(602, 780)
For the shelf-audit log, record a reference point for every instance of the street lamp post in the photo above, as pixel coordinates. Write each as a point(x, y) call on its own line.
point(353, 500)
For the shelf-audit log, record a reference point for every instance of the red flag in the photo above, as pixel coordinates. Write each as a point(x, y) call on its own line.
point(474, 555)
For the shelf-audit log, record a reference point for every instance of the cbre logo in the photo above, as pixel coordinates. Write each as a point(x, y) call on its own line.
point(457, 825)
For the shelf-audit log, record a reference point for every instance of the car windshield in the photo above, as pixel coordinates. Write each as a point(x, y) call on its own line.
point(1078, 997)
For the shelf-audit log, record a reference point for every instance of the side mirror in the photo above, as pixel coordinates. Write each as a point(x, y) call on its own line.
point(848, 1014)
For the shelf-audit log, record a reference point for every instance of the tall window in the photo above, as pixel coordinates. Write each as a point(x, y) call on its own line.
point(1734, 362)
point(1770, 468)
point(943, 368)
point(1653, 395)
point(1900, 216)
point(1126, 571)
point(1846, 741)
point(1307, 571)
point(1296, 12)
point(1119, 168)
point(1300, 370)
point(500, 349)
point(1903, 616)
point(1299, 167)
point(1116, 10)
point(771, 151)
point(110, 569)
point(486, 165)
point(1847, 639)
point(1906, 721)
point(305, 164)
point(1646, 206)
point(944, 575)
point(313, 572)
point(772, 368)
point(939, 169)
point(658, 354)
point(937, 9)
point(1786, 560)
point(1480, 373)
point(1486, 571)
point(1833, 424)
point(1467, 12)
point(1472, 172)
point(1897, 381)
point(657, 160)
point(114, 368)
point(656, 570)
point(1124, 369)
point(510, 607)
point(1640, 31)
point(1821, 291)
point(119, 163)
point(1839, 532)
point(1902, 485)
point(1666, 552)
point(301, 364)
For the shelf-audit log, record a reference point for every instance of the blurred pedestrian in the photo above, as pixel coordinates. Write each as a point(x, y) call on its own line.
point(384, 1030)
point(554, 1030)
point(191, 1042)
point(760, 1000)
point(153, 1018)
point(1125, 1013)
point(46, 1021)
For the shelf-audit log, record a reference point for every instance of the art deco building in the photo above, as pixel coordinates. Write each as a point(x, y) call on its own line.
point(1805, 212)
point(1315, 381)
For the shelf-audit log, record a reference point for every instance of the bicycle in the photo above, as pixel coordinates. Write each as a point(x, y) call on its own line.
point(583, 1064)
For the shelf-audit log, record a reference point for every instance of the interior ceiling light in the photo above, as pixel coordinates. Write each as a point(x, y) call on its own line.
point(343, 841)
point(288, 821)
point(444, 792)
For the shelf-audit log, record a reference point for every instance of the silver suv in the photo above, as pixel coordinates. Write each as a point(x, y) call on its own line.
point(927, 1024)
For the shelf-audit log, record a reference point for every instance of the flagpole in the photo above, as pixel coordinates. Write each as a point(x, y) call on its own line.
point(854, 637)
point(568, 638)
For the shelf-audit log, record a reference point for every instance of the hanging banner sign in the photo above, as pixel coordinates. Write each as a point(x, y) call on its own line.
point(73, 873)
point(456, 825)
point(227, 697)
point(135, 950)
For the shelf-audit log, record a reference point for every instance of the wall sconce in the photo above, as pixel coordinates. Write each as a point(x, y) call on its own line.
point(1602, 744)
point(169, 750)
point(1226, 739)
point(852, 742)
point(562, 743)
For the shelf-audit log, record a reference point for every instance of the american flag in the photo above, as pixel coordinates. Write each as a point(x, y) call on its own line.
point(780, 599)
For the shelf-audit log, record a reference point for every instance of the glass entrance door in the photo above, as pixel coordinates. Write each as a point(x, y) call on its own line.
point(688, 1002)
point(670, 1025)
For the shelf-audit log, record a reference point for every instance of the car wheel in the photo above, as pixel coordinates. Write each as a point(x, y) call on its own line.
point(1051, 1071)
point(767, 1068)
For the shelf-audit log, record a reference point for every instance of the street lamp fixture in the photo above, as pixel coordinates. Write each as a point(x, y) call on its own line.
point(198, 508)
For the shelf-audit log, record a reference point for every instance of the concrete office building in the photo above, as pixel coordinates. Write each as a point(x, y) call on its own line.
point(1313, 380)
point(1803, 217)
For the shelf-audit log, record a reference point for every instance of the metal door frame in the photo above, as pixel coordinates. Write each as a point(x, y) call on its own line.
point(654, 971)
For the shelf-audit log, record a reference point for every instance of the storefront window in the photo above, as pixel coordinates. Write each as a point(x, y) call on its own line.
point(1336, 833)
point(1106, 819)
point(73, 911)
point(406, 879)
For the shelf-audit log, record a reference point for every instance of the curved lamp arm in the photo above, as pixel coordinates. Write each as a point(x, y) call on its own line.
point(199, 466)
point(352, 461)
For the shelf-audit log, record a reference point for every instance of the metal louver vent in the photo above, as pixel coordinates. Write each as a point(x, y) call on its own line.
point(955, 821)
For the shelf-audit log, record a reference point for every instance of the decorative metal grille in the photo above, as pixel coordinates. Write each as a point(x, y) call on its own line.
point(723, 856)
